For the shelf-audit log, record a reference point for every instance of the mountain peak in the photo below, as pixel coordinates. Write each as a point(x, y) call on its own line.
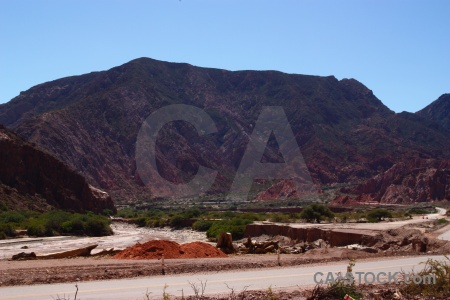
point(91, 122)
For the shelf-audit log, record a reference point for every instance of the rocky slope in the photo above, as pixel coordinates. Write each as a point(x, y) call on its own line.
point(91, 123)
point(438, 111)
point(417, 180)
point(32, 179)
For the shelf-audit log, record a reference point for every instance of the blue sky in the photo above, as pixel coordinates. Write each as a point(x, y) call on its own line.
point(399, 49)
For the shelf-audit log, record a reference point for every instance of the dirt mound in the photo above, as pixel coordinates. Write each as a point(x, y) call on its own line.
point(156, 248)
point(199, 249)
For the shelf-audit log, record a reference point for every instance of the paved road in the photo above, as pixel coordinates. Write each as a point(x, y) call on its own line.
point(441, 214)
point(216, 282)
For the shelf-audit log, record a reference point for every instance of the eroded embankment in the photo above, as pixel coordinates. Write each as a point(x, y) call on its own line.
point(334, 237)
point(409, 240)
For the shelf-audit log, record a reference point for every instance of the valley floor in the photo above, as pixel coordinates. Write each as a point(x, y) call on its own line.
point(98, 268)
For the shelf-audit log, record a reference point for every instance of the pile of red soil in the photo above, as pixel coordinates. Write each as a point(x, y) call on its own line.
point(155, 249)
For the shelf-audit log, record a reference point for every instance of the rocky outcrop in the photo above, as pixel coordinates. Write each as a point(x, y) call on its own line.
point(416, 180)
point(284, 189)
point(394, 240)
point(85, 251)
point(334, 237)
point(90, 122)
point(225, 242)
point(28, 174)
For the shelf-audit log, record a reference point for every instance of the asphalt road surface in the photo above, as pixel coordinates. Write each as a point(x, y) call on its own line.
point(216, 283)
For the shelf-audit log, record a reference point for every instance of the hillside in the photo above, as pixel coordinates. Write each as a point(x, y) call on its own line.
point(438, 111)
point(91, 121)
point(34, 180)
point(418, 180)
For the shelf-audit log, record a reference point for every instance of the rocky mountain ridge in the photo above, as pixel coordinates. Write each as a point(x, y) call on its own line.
point(91, 122)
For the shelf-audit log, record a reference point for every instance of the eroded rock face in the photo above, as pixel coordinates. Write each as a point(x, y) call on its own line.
point(416, 180)
point(335, 237)
point(90, 122)
point(37, 176)
point(395, 240)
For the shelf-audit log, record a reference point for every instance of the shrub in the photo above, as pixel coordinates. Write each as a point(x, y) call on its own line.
point(154, 213)
point(202, 225)
point(442, 221)
point(192, 213)
point(64, 223)
point(141, 222)
point(107, 212)
point(338, 289)
point(3, 207)
point(235, 226)
point(440, 290)
point(156, 223)
point(75, 226)
point(418, 211)
point(127, 213)
point(378, 215)
point(36, 229)
point(281, 218)
point(12, 217)
point(177, 221)
point(95, 226)
point(316, 212)
point(7, 230)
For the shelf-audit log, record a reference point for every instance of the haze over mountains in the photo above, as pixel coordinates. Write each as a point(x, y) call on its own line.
point(345, 133)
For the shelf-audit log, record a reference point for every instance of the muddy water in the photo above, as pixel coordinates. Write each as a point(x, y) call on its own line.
point(125, 235)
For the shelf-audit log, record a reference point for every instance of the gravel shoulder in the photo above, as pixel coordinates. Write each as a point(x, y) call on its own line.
point(94, 268)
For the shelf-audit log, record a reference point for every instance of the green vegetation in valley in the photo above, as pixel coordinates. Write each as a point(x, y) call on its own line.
point(231, 219)
point(316, 213)
point(422, 211)
point(371, 215)
point(442, 221)
point(378, 215)
point(53, 223)
point(211, 222)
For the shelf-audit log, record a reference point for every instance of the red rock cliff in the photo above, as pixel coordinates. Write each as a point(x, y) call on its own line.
point(33, 173)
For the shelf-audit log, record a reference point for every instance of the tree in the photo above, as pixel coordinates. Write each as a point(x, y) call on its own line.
point(316, 212)
point(378, 215)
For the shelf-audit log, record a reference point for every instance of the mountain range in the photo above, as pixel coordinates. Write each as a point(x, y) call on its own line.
point(345, 133)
